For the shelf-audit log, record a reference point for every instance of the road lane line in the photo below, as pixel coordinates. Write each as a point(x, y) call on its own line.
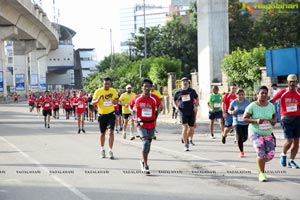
point(56, 178)
point(136, 143)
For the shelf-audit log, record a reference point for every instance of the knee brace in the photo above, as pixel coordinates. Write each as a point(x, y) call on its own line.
point(146, 144)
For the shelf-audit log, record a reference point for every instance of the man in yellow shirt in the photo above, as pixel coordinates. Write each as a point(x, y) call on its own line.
point(105, 97)
point(157, 111)
point(125, 99)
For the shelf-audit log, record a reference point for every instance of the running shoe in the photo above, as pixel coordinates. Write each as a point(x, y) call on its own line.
point(132, 137)
point(262, 177)
point(191, 142)
point(186, 147)
point(142, 166)
point(242, 154)
point(154, 137)
point(283, 160)
point(124, 135)
point(103, 153)
point(182, 140)
point(83, 130)
point(110, 155)
point(48, 125)
point(212, 137)
point(231, 132)
point(223, 139)
point(293, 165)
point(147, 170)
point(45, 125)
point(79, 130)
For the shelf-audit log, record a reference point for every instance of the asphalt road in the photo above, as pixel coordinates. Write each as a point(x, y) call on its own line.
point(38, 163)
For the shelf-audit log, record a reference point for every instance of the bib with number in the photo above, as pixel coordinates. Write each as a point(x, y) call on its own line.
point(265, 126)
point(291, 107)
point(47, 104)
point(217, 105)
point(186, 97)
point(80, 105)
point(146, 112)
point(107, 103)
point(240, 118)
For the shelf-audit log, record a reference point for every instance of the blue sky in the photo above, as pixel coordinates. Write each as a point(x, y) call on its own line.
point(87, 17)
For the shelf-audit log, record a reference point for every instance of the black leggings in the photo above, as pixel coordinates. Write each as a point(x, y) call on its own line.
point(242, 135)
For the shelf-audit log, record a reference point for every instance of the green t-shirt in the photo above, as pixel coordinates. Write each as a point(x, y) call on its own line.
point(215, 102)
point(259, 112)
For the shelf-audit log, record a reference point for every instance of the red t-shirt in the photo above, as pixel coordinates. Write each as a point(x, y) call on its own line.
point(227, 99)
point(80, 103)
point(146, 107)
point(66, 103)
point(31, 99)
point(289, 102)
point(56, 103)
point(39, 102)
point(47, 103)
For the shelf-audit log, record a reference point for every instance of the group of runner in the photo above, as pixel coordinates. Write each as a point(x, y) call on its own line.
point(256, 120)
point(232, 109)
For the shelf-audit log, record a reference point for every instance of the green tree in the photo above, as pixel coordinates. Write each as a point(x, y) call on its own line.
point(241, 33)
point(243, 67)
point(279, 27)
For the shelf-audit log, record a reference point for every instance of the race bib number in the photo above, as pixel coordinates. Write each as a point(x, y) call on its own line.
point(291, 107)
point(186, 98)
point(67, 103)
point(47, 105)
point(146, 112)
point(240, 118)
point(217, 105)
point(107, 103)
point(56, 104)
point(265, 126)
point(80, 106)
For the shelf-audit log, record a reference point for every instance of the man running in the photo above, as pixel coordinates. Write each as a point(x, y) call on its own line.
point(144, 105)
point(290, 120)
point(80, 104)
point(226, 100)
point(47, 108)
point(186, 102)
point(125, 99)
point(106, 97)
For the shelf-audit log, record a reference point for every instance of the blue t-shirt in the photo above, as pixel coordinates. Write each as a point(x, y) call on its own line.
point(240, 107)
point(186, 101)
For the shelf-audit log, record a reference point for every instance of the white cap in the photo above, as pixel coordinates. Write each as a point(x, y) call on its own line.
point(128, 86)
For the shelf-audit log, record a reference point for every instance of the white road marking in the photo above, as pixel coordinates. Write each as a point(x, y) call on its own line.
point(45, 169)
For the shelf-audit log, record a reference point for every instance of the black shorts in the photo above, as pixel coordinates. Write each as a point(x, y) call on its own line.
point(106, 121)
point(91, 108)
point(126, 116)
point(215, 115)
point(31, 104)
point(190, 120)
point(47, 112)
point(55, 109)
point(68, 109)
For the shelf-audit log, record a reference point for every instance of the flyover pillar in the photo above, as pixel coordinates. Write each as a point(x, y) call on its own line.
point(213, 44)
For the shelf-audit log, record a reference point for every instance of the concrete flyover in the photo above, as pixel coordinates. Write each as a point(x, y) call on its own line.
point(22, 20)
point(33, 36)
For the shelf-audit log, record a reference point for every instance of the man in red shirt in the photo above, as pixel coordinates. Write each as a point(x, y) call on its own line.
point(80, 104)
point(56, 104)
point(144, 106)
point(31, 100)
point(226, 100)
point(67, 106)
point(290, 119)
point(47, 108)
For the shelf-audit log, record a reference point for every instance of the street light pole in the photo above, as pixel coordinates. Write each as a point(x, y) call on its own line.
point(145, 34)
point(111, 45)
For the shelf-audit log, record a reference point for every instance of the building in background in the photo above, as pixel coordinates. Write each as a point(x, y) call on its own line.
point(85, 64)
point(132, 18)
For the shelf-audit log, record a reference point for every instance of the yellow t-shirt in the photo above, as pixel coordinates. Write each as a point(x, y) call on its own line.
point(157, 93)
point(106, 103)
point(125, 98)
